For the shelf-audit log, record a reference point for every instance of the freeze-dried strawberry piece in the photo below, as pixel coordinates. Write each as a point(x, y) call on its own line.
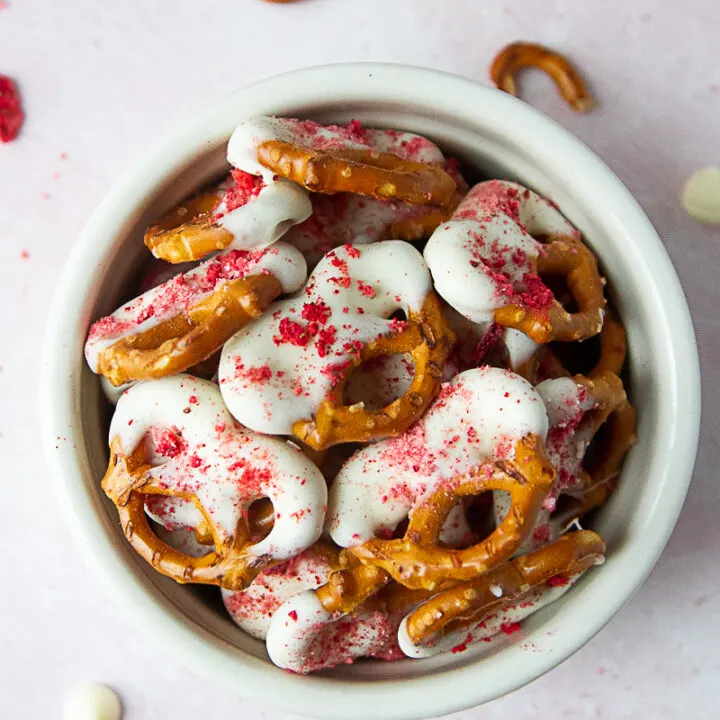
point(11, 114)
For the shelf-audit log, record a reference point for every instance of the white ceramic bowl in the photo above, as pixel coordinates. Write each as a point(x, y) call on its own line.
point(503, 137)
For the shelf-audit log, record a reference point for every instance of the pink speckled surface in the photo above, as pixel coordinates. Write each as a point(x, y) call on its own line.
point(103, 81)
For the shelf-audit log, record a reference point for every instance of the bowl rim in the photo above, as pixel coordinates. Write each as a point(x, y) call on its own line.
point(440, 692)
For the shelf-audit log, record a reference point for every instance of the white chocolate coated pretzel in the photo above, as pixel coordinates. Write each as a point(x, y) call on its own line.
point(251, 133)
point(490, 233)
point(274, 373)
point(477, 418)
point(196, 447)
point(180, 293)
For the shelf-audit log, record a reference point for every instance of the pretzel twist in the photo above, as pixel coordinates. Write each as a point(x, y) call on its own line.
point(428, 338)
point(613, 346)
point(568, 257)
point(128, 484)
point(363, 172)
point(476, 599)
point(517, 56)
point(189, 338)
point(188, 232)
point(417, 561)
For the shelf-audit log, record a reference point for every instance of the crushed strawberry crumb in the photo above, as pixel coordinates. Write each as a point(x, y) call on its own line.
point(245, 187)
point(11, 113)
point(510, 628)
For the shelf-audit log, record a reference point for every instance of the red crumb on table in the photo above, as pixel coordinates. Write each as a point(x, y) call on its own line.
point(63, 156)
point(244, 189)
point(11, 113)
point(25, 254)
point(510, 628)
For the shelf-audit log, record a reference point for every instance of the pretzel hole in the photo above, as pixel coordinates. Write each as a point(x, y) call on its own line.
point(559, 287)
point(599, 446)
point(261, 518)
point(479, 513)
point(379, 381)
point(578, 358)
point(567, 507)
point(281, 228)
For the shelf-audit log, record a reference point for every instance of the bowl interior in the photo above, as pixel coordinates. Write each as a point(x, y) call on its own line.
point(591, 201)
point(490, 158)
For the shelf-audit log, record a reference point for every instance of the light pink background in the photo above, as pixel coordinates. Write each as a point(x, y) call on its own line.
point(103, 81)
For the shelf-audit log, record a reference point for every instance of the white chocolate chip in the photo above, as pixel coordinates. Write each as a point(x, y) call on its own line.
point(701, 195)
point(92, 702)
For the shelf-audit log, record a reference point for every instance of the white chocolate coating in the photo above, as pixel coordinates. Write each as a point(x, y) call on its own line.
point(478, 417)
point(304, 637)
point(483, 630)
point(483, 256)
point(475, 340)
point(252, 132)
point(568, 438)
point(278, 370)
point(567, 441)
point(253, 608)
point(181, 292)
point(266, 217)
point(197, 447)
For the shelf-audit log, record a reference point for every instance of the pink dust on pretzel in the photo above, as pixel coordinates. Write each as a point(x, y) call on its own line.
point(491, 198)
point(168, 442)
point(179, 293)
point(244, 188)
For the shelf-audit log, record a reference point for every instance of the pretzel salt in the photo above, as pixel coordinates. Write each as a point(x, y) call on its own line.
point(520, 55)
point(244, 212)
point(174, 437)
point(379, 163)
point(488, 262)
point(186, 319)
point(286, 372)
point(460, 613)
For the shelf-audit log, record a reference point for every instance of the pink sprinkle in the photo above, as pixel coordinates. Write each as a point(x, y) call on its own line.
point(193, 399)
point(25, 254)
point(293, 615)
